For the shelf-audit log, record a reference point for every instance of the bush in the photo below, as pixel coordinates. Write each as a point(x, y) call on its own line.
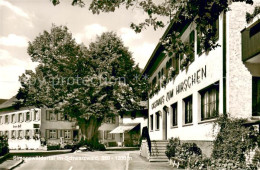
point(234, 140)
point(4, 149)
point(172, 147)
point(68, 146)
point(112, 144)
point(188, 152)
point(53, 147)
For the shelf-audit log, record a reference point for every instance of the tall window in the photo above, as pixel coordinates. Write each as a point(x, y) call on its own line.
point(256, 96)
point(6, 119)
point(209, 102)
point(174, 115)
point(53, 134)
point(36, 115)
point(28, 116)
point(1, 121)
point(191, 40)
point(7, 134)
point(157, 114)
point(20, 134)
point(20, 117)
point(13, 118)
point(188, 109)
point(151, 122)
point(13, 134)
point(67, 134)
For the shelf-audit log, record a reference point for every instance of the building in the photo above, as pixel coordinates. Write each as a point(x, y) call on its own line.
point(32, 128)
point(123, 130)
point(186, 98)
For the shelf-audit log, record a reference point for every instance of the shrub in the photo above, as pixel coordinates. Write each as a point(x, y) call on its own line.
point(190, 153)
point(68, 146)
point(172, 147)
point(234, 140)
point(112, 144)
point(4, 149)
point(53, 147)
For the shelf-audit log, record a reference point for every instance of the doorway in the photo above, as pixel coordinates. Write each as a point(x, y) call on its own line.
point(165, 111)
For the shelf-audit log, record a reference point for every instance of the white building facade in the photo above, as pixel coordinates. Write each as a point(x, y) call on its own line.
point(33, 128)
point(213, 83)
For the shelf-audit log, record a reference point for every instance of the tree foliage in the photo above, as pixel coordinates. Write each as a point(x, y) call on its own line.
point(203, 12)
point(86, 83)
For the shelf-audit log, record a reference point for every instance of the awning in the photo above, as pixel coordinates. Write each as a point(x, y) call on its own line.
point(124, 127)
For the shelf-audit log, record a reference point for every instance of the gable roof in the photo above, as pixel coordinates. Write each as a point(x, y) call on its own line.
point(157, 56)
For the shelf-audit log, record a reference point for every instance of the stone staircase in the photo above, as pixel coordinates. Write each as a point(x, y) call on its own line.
point(158, 148)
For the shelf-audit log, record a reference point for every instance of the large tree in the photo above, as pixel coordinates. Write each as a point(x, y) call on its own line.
point(162, 12)
point(88, 84)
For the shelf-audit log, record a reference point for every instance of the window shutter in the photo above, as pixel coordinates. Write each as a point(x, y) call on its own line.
point(63, 133)
point(47, 115)
point(71, 135)
point(57, 134)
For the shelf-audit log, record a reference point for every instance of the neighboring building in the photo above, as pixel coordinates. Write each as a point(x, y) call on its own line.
point(225, 80)
point(31, 128)
point(106, 127)
point(130, 127)
point(124, 130)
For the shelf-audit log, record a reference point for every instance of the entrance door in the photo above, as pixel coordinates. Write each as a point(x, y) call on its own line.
point(164, 124)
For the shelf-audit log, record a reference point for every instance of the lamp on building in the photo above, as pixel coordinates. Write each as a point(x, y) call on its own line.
point(166, 109)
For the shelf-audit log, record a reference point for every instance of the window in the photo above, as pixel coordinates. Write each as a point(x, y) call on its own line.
point(209, 102)
point(157, 114)
point(13, 134)
point(20, 134)
point(151, 122)
point(67, 134)
point(7, 134)
point(20, 117)
point(108, 135)
point(188, 110)
point(53, 134)
point(110, 120)
point(174, 115)
point(27, 134)
point(13, 118)
point(256, 96)
point(28, 116)
point(191, 40)
point(1, 121)
point(6, 119)
point(36, 115)
point(215, 26)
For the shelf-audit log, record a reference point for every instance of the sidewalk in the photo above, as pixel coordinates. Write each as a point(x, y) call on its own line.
point(10, 164)
point(137, 162)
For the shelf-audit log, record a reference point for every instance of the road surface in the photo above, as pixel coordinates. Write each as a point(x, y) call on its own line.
point(114, 160)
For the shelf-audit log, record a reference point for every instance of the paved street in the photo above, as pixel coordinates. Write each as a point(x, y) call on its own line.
point(108, 160)
point(84, 160)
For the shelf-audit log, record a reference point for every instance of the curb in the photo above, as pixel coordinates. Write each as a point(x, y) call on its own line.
point(15, 165)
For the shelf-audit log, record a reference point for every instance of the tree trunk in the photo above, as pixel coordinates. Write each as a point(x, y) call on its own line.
point(89, 128)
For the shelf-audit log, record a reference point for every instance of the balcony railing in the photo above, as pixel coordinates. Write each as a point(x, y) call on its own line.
point(251, 41)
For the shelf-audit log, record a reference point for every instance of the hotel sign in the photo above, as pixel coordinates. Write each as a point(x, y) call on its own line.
point(186, 84)
point(17, 126)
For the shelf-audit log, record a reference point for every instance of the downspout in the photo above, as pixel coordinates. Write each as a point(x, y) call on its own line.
point(224, 65)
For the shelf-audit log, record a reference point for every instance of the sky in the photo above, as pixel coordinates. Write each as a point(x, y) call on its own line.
point(22, 20)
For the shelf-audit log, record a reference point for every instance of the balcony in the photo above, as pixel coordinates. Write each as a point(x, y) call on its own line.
point(251, 42)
